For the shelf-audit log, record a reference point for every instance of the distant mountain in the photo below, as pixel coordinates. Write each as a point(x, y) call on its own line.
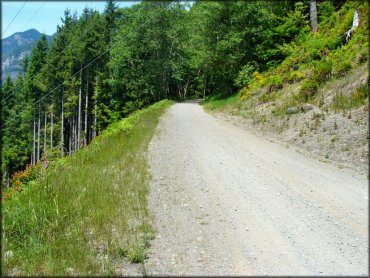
point(15, 48)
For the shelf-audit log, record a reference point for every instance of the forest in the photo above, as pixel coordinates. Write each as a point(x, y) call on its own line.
point(101, 67)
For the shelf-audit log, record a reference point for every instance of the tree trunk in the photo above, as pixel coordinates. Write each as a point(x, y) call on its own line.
point(38, 136)
point(313, 16)
point(79, 119)
point(62, 127)
point(86, 110)
point(33, 162)
point(70, 137)
point(95, 114)
point(51, 129)
point(73, 134)
point(45, 133)
point(205, 86)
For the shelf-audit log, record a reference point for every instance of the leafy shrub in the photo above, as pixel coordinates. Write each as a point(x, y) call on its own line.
point(276, 83)
point(343, 68)
point(363, 57)
point(295, 76)
point(245, 76)
point(257, 82)
point(309, 88)
point(323, 70)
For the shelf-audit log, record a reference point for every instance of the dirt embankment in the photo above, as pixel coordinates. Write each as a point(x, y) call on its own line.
point(334, 136)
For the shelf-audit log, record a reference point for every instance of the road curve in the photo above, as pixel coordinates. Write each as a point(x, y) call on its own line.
point(226, 202)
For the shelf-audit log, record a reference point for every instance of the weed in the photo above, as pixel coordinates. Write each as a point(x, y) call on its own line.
point(136, 255)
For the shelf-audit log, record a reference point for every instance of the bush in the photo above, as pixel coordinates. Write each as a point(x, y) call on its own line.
point(309, 88)
point(363, 57)
point(257, 82)
point(295, 76)
point(276, 83)
point(245, 76)
point(323, 70)
point(342, 69)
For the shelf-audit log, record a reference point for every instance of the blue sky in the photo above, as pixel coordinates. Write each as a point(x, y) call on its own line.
point(44, 16)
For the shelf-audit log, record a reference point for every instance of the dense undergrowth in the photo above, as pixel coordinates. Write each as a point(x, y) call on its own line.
point(86, 210)
point(313, 60)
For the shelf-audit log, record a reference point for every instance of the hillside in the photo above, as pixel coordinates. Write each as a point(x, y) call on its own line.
point(316, 100)
point(15, 48)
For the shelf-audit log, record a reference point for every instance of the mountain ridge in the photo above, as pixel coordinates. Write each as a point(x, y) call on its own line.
point(17, 46)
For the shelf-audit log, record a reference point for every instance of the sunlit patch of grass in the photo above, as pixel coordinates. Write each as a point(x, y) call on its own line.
point(88, 208)
point(219, 101)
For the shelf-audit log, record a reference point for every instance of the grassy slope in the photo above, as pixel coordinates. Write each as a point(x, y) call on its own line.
point(312, 57)
point(88, 209)
point(219, 101)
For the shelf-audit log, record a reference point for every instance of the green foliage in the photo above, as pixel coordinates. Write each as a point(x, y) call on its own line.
point(350, 101)
point(218, 101)
point(309, 88)
point(322, 70)
point(245, 76)
point(295, 76)
point(342, 69)
point(274, 83)
point(60, 220)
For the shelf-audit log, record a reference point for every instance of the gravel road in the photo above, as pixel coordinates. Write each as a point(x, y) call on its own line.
point(225, 201)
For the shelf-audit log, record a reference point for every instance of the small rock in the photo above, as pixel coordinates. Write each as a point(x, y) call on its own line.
point(317, 114)
point(292, 110)
point(306, 107)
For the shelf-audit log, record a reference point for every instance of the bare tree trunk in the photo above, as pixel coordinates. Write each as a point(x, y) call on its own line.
point(33, 162)
point(38, 136)
point(86, 110)
point(186, 88)
point(62, 128)
point(75, 133)
point(79, 119)
point(51, 128)
point(45, 132)
point(70, 137)
point(205, 86)
point(313, 16)
point(95, 127)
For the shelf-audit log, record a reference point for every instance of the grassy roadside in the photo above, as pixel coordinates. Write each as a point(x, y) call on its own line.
point(88, 209)
point(219, 101)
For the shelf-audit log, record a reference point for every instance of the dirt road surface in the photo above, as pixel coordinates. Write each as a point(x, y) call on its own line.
point(228, 202)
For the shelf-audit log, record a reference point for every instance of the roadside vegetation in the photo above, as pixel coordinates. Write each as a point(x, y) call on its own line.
point(317, 98)
point(313, 60)
point(83, 211)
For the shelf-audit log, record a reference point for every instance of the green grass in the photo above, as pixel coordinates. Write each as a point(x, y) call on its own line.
point(219, 101)
point(351, 101)
point(87, 208)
